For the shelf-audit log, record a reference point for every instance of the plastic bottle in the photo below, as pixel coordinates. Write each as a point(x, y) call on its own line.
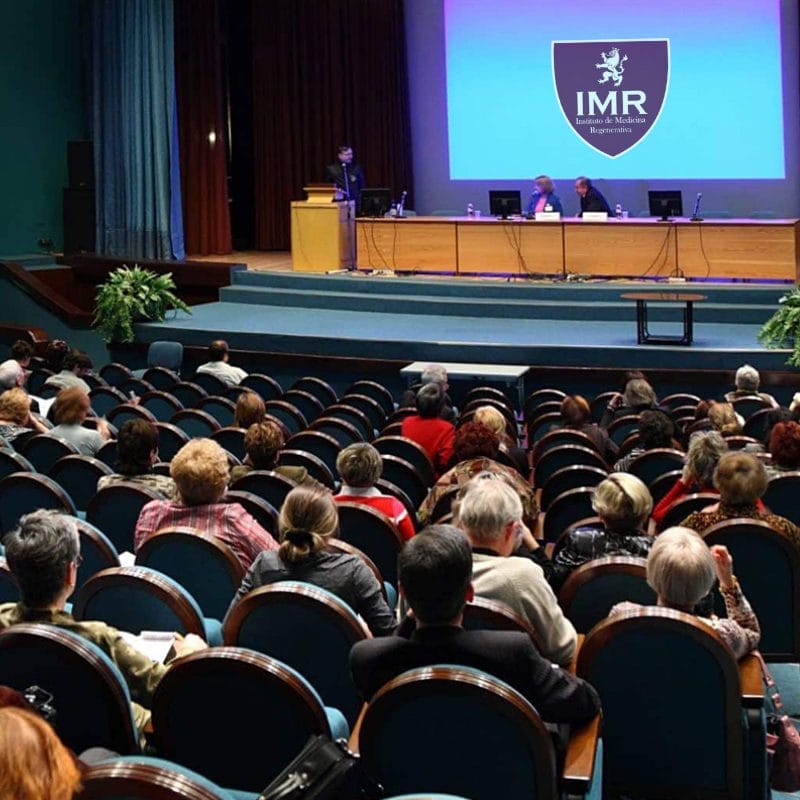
point(470, 210)
point(618, 211)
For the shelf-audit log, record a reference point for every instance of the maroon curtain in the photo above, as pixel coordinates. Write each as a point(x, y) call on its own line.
point(198, 79)
point(324, 74)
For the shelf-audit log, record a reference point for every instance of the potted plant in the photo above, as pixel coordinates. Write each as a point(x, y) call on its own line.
point(133, 295)
point(782, 329)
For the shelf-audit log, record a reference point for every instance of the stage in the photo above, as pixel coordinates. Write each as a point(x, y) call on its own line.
point(541, 323)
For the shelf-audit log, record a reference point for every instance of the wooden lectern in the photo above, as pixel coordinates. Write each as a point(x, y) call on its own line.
point(323, 231)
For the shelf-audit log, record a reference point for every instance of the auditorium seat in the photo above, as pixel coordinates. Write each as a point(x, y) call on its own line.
point(562, 436)
point(263, 512)
point(660, 487)
point(264, 385)
point(566, 478)
point(599, 405)
point(108, 454)
point(307, 628)
point(305, 402)
point(410, 451)
point(405, 475)
point(566, 455)
point(115, 373)
point(653, 463)
point(161, 404)
point(9, 590)
point(392, 489)
point(622, 426)
point(90, 695)
point(747, 405)
point(97, 552)
point(444, 505)
point(288, 414)
point(566, 509)
point(115, 511)
point(232, 440)
point(376, 391)
point(24, 492)
point(354, 416)
point(387, 590)
point(104, 398)
point(37, 379)
point(535, 399)
point(229, 689)
point(673, 401)
point(371, 407)
point(399, 414)
point(43, 450)
point(756, 424)
point(11, 462)
point(343, 431)
point(321, 389)
point(220, 408)
point(120, 414)
point(487, 393)
point(781, 497)
point(161, 378)
point(316, 466)
point(269, 486)
point(681, 508)
point(188, 393)
point(170, 439)
point(137, 386)
point(78, 476)
point(541, 425)
point(211, 384)
point(319, 444)
point(195, 423)
point(450, 713)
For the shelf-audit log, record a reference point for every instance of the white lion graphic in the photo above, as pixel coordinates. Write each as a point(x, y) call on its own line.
point(612, 66)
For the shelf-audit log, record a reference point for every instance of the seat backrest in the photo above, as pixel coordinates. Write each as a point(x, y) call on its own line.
point(11, 462)
point(768, 567)
point(319, 444)
point(138, 599)
point(672, 401)
point(232, 440)
point(209, 383)
point(119, 415)
point(355, 416)
point(104, 398)
point(270, 486)
point(264, 385)
point(567, 478)
point(161, 404)
point(170, 439)
point(23, 492)
point(535, 399)
point(188, 393)
point(374, 390)
point(482, 614)
point(9, 590)
point(97, 552)
point(684, 506)
point(288, 414)
point(392, 489)
point(622, 426)
point(373, 533)
point(568, 507)
point(206, 567)
point(166, 354)
point(343, 431)
point(78, 476)
point(747, 405)
point(781, 496)
point(594, 588)
point(316, 467)
point(638, 662)
point(444, 505)
point(306, 403)
point(114, 373)
point(263, 512)
point(434, 707)
point(405, 475)
point(195, 423)
point(43, 450)
point(115, 511)
point(307, 628)
point(161, 378)
point(238, 688)
point(89, 693)
point(653, 463)
point(662, 484)
point(410, 451)
point(222, 409)
point(371, 407)
point(566, 455)
point(756, 424)
point(562, 436)
point(321, 389)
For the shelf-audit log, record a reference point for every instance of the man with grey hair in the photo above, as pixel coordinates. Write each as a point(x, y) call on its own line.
point(11, 374)
point(490, 514)
point(747, 382)
point(433, 373)
point(43, 554)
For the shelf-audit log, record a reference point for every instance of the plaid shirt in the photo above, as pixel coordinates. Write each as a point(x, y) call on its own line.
point(228, 522)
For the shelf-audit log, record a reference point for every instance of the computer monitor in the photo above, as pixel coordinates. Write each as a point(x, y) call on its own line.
point(375, 202)
point(504, 202)
point(665, 204)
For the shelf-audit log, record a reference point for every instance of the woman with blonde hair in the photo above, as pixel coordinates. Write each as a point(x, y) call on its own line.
point(34, 764)
point(15, 415)
point(308, 520)
point(723, 418)
point(496, 422)
point(544, 197)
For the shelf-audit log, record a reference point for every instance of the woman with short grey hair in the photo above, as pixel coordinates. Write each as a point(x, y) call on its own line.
point(681, 570)
point(705, 450)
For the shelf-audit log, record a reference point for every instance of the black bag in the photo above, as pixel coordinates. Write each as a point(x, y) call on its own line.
point(324, 770)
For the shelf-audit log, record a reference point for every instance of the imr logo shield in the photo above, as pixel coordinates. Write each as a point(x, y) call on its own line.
point(612, 92)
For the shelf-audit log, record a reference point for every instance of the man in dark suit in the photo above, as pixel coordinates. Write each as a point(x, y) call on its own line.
point(435, 574)
point(348, 177)
point(590, 197)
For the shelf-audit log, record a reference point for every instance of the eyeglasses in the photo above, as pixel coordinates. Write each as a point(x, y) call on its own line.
point(78, 560)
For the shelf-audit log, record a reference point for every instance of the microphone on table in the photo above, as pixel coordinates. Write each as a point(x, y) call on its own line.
point(402, 203)
point(346, 180)
point(695, 217)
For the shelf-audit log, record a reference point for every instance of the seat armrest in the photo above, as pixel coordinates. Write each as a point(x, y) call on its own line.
point(352, 743)
point(580, 758)
point(751, 681)
point(574, 663)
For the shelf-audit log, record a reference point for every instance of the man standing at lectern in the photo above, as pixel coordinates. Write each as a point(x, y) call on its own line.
point(348, 177)
point(591, 199)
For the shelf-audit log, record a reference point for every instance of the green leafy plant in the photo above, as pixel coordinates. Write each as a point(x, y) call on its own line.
point(133, 295)
point(782, 329)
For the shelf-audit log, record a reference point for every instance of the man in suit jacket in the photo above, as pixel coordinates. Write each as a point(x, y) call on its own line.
point(348, 177)
point(435, 577)
point(590, 197)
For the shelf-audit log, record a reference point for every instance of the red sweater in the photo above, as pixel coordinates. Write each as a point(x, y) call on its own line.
point(435, 436)
point(388, 506)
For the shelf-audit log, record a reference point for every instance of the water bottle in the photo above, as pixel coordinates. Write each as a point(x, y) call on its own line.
point(548, 207)
point(470, 210)
point(619, 211)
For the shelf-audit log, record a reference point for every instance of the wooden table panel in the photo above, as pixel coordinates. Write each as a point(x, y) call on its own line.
point(505, 246)
point(407, 244)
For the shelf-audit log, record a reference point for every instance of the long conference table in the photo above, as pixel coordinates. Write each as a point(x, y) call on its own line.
point(755, 249)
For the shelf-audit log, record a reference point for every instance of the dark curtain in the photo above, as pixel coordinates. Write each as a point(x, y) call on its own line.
point(199, 83)
point(324, 74)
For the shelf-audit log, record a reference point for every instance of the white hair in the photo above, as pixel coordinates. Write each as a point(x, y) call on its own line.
point(747, 378)
point(11, 374)
point(622, 500)
point(680, 567)
point(434, 373)
point(487, 508)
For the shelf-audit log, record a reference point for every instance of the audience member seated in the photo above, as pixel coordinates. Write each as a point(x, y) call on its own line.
point(218, 366)
point(21, 353)
point(491, 516)
point(433, 373)
point(496, 422)
point(69, 411)
point(747, 382)
point(656, 430)
point(784, 447)
point(428, 429)
point(57, 350)
point(15, 415)
point(360, 467)
point(137, 452)
point(773, 417)
point(741, 480)
point(250, 410)
point(200, 472)
point(681, 570)
point(76, 365)
point(43, 554)
point(262, 443)
point(623, 504)
point(576, 415)
point(475, 449)
point(435, 572)
point(705, 450)
point(723, 418)
point(308, 519)
point(637, 397)
point(34, 764)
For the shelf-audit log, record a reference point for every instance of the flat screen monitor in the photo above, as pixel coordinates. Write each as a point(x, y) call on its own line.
point(375, 202)
point(504, 203)
point(665, 204)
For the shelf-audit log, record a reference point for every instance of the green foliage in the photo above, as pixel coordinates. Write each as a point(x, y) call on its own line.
point(782, 329)
point(133, 295)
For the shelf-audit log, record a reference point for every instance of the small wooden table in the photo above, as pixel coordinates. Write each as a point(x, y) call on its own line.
point(643, 335)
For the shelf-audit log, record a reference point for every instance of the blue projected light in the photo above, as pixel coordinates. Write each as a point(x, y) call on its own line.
point(637, 90)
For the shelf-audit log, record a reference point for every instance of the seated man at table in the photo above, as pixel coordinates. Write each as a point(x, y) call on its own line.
point(43, 553)
point(590, 197)
point(435, 577)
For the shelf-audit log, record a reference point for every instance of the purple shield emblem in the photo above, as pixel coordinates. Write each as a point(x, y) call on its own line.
point(612, 92)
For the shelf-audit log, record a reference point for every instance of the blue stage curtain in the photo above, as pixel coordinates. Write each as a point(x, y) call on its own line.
point(137, 161)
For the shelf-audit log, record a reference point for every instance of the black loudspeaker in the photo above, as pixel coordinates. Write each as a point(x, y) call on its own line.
point(78, 219)
point(80, 165)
